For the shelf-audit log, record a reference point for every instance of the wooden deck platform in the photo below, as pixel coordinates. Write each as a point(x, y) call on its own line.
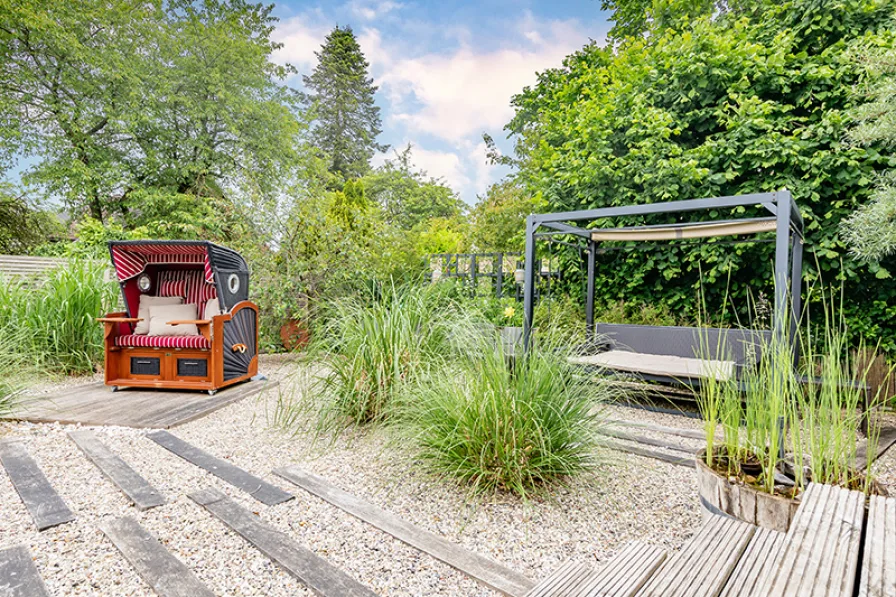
point(97, 404)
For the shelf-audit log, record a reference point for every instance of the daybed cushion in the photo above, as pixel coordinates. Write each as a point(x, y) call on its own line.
point(212, 308)
point(658, 364)
point(146, 302)
point(134, 340)
point(160, 315)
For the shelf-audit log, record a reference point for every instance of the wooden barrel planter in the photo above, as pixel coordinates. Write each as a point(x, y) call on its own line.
point(719, 495)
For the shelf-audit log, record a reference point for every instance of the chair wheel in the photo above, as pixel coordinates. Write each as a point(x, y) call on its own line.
point(212, 392)
point(115, 388)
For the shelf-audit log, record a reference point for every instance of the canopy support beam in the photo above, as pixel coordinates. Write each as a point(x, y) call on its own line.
point(788, 250)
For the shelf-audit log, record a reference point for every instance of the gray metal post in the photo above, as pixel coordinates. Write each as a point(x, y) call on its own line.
point(500, 275)
point(474, 269)
point(589, 293)
point(796, 290)
point(782, 264)
point(529, 281)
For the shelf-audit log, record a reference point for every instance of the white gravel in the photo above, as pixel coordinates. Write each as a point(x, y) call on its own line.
point(628, 498)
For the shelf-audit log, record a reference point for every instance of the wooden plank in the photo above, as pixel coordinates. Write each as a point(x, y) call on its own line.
point(200, 408)
point(168, 576)
point(689, 433)
point(143, 495)
point(314, 572)
point(760, 556)
point(96, 404)
point(626, 573)
point(668, 458)
point(563, 581)
point(261, 490)
point(18, 574)
point(648, 441)
point(879, 561)
point(484, 570)
point(46, 507)
point(885, 441)
point(703, 566)
point(821, 549)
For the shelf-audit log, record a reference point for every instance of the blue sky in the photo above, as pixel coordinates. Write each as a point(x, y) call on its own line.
point(446, 70)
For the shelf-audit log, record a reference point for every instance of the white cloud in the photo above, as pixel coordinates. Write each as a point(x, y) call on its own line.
point(368, 10)
point(300, 41)
point(455, 95)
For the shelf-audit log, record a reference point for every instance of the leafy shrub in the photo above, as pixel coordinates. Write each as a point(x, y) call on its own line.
point(55, 323)
point(503, 429)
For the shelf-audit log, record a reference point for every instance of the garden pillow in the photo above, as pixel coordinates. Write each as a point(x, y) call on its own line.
point(160, 315)
point(146, 302)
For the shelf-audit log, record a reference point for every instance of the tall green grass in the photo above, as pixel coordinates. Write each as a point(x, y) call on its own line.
point(374, 346)
point(16, 369)
point(54, 323)
point(505, 428)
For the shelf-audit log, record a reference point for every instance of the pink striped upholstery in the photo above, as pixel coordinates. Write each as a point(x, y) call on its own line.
point(135, 340)
point(188, 284)
point(131, 260)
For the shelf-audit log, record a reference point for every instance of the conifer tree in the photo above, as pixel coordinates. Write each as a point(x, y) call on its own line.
point(347, 121)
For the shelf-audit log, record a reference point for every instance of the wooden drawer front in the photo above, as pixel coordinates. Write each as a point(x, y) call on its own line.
point(187, 367)
point(146, 366)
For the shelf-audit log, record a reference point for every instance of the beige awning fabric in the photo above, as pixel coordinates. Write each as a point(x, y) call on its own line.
point(687, 231)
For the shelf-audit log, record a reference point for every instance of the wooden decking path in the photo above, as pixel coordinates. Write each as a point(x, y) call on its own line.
point(622, 577)
point(96, 404)
point(312, 571)
point(18, 575)
point(45, 505)
point(261, 490)
point(482, 569)
point(143, 495)
point(168, 576)
point(879, 562)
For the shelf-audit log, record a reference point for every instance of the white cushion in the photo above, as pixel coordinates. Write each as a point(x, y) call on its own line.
point(212, 308)
point(659, 364)
point(160, 315)
point(146, 302)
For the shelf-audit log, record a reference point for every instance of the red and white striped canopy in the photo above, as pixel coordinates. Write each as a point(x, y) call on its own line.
point(130, 260)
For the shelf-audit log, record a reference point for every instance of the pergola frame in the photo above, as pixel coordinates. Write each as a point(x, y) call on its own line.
point(788, 228)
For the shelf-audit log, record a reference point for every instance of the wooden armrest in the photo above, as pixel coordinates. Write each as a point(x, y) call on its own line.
point(193, 321)
point(119, 319)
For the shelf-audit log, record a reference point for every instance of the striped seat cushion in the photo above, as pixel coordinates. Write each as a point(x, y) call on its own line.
point(137, 340)
point(189, 284)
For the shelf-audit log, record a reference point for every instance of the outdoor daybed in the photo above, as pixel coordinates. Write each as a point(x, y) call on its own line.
point(188, 322)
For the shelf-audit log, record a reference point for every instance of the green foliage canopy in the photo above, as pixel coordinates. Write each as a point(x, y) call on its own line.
point(736, 104)
point(122, 96)
point(409, 196)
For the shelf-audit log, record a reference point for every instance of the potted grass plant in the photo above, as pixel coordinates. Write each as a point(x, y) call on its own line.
point(772, 432)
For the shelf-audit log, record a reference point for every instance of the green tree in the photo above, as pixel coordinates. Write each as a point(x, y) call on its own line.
point(349, 205)
point(440, 235)
point(635, 19)
point(739, 103)
point(22, 226)
point(409, 196)
point(123, 95)
point(347, 121)
point(871, 231)
point(498, 220)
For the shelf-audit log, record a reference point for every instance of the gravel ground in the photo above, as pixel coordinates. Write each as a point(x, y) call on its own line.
point(628, 498)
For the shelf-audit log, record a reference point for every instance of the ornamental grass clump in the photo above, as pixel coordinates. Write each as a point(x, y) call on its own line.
point(499, 426)
point(375, 346)
point(55, 321)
